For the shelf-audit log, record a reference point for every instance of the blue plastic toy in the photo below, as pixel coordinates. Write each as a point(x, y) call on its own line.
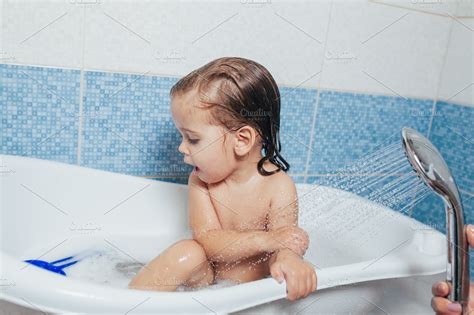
point(52, 266)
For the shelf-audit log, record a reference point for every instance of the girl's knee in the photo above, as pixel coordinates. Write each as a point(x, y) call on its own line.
point(189, 252)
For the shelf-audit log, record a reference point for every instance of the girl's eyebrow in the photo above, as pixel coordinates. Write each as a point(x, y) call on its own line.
point(192, 131)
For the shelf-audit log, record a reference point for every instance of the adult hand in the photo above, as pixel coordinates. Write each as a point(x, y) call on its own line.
point(439, 302)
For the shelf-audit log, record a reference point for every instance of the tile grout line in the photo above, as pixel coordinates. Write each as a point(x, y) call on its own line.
point(436, 97)
point(81, 91)
point(422, 11)
point(471, 194)
point(311, 136)
point(430, 122)
point(438, 88)
point(316, 101)
point(79, 129)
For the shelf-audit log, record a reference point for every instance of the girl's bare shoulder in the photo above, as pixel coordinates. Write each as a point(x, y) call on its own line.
point(279, 181)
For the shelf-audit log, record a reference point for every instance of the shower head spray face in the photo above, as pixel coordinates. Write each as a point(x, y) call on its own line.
point(429, 165)
point(432, 169)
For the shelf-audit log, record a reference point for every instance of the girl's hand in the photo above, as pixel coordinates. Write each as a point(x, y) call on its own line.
point(300, 276)
point(290, 237)
point(439, 303)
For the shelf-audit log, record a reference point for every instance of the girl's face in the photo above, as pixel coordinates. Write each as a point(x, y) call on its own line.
point(202, 144)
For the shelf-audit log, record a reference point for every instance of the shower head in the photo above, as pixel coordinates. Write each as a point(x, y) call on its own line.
point(432, 169)
point(429, 165)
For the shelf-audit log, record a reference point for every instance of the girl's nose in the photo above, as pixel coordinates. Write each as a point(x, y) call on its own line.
point(182, 148)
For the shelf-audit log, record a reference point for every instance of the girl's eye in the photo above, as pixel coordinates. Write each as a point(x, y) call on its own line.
point(193, 141)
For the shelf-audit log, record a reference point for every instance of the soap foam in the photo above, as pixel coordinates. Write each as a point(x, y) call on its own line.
point(108, 267)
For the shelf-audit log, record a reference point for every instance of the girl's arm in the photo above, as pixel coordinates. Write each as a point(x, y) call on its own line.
point(221, 245)
point(283, 211)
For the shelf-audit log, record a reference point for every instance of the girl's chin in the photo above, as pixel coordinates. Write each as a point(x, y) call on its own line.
point(196, 170)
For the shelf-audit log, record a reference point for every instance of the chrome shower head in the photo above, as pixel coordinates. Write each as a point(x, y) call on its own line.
point(432, 169)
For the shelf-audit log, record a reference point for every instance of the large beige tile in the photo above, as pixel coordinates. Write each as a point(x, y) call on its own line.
point(42, 33)
point(381, 49)
point(457, 80)
point(175, 38)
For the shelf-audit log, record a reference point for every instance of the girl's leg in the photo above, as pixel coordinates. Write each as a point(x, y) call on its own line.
point(183, 263)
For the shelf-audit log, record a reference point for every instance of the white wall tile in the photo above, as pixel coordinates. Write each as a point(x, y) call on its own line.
point(42, 33)
point(372, 47)
point(457, 83)
point(175, 38)
point(2, 52)
point(442, 7)
point(465, 8)
point(382, 49)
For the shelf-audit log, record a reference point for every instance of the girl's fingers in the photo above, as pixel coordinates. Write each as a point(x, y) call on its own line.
point(301, 289)
point(315, 282)
point(279, 275)
point(309, 284)
point(292, 288)
point(440, 289)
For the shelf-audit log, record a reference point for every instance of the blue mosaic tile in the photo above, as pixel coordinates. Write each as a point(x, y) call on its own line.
point(349, 125)
point(39, 112)
point(431, 211)
point(468, 204)
point(296, 115)
point(128, 126)
point(452, 132)
point(297, 179)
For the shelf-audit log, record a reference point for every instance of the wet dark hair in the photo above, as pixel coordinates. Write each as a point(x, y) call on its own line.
point(244, 93)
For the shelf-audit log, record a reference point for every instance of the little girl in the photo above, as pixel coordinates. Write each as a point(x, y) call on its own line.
point(243, 209)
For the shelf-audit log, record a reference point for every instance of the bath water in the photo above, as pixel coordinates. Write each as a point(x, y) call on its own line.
point(110, 267)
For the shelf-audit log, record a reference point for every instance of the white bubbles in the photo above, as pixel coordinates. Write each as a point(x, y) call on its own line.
point(109, 268)
point(218, 284)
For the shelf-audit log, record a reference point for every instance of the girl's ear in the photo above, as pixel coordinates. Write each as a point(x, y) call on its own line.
point(245, 138)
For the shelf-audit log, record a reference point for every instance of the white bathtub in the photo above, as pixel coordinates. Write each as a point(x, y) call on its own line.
point(50, 210)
